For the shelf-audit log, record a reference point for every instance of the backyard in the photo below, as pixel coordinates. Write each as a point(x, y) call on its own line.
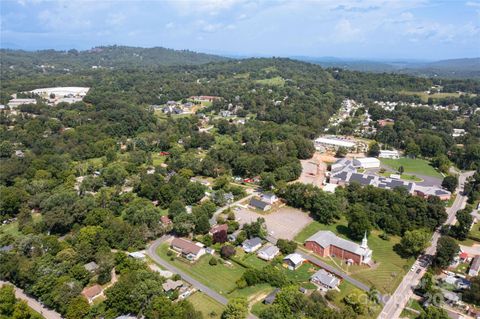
point(221, 277)
point(209, 307)
point(390, 267)
point(412, 166)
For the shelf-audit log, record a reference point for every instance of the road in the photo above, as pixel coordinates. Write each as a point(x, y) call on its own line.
point(395, 304)
point(33, 303)
point(152, 253)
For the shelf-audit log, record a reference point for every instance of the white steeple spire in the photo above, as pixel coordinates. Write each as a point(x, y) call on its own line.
point(364, 241)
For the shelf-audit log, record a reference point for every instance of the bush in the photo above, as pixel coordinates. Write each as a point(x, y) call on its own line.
point(213, 261)
point(169, 253)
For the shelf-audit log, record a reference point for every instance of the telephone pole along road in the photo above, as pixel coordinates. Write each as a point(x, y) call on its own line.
point(395, 304)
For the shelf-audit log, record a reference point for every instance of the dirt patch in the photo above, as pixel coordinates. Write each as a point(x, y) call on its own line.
point(285, 222)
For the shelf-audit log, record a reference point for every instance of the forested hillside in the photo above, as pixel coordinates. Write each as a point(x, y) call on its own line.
point(86, 182)
point(60, 62)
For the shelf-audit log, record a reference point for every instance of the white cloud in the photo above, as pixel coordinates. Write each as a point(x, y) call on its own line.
point(345, 32)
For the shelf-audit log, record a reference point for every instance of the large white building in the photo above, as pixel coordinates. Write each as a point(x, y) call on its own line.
point(366, 162)
point(389, 154)
point(334, 143)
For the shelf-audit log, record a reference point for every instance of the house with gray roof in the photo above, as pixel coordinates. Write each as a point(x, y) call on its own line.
point(251, 245)
point(259, 204)
point(91, 266)
point(324, 279)
point(268, 252)
point(474, 266)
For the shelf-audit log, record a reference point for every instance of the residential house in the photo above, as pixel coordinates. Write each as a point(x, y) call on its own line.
point(91, 267)
point(259, 204)
point(385, 122)
point(229, 198)
point(326, 243)
point(324, 279)
point(450, 297)
point(92, 293)
point(251, 245)
point(165, 220)
point(218, 228)
point(474, 266)
point(171, 285)
point(271, 296)
point(187, 248)
point(269, 198)
point(293, 261)
point(137, 255)
point(268, 252)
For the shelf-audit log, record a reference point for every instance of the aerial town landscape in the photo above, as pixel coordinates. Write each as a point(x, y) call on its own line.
point(160, 183)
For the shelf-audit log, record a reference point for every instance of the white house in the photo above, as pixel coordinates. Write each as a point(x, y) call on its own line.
point(251, 245)
point(323, 279)
point(293, 261)
point(269, 198)
point(389, 154)
point(268, 252)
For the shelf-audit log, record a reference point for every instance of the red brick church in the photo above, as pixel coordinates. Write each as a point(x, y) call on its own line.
point(326, 243)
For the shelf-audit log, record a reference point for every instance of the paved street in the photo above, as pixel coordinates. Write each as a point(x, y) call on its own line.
point(404, 292)
point(33, 303)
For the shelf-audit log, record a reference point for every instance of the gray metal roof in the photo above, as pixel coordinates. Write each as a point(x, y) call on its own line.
point(252, 242)
point(269, 250)
point(258, 203)
point(325, 278)
point(326, 238)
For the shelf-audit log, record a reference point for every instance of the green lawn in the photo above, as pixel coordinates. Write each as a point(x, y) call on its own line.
point(258, 307)
point(424, 96)
point(10, 229)
point(413, 304)
point(209, 307)
point(157, 159)
point(276, 81)
point(221, 277)
point(252, 291)
point(412, 166)
point(390, 267)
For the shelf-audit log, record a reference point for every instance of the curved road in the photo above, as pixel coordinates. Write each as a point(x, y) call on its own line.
point(33, 303)
point(395, 304)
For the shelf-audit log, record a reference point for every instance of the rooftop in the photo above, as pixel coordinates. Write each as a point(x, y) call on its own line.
point(187, 246)
point(326, 238)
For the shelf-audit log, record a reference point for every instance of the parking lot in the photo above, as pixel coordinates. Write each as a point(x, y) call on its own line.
point(284, 223)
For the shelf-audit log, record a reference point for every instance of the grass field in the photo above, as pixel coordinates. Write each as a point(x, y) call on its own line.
point(209, 307)
point(221, 277)
point(276, 81)
point(412, 166)
point(424, 96)
point(390, 267)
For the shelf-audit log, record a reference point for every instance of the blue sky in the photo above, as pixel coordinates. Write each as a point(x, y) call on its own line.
point(374, 29)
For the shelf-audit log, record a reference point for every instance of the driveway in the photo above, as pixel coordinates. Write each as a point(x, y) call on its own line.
point(285, 223)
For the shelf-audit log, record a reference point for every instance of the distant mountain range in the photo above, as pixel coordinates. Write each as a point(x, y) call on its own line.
point(455, 68)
